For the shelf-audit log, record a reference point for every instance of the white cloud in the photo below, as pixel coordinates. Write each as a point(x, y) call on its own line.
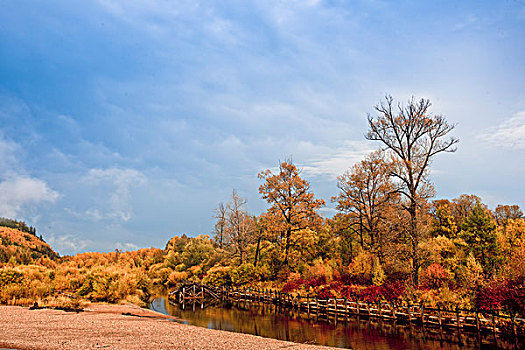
point(20, 191)
point(67, 244)
point(509, 134)
point(126, 246)
point(118, 183)
point(335, 164)
point(8, 151)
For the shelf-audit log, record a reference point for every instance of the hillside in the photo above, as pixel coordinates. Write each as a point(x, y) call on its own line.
point(22, 246)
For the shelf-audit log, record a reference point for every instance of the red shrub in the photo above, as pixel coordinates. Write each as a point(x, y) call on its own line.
point(515, 299)
point(350, 292)
point(507, 294)
point(492, 296)
point(336, 285)
point(434, 276)
point(316, 281)
point(292, 285)
point(346, 279)
point(392, 290)
point(325, 293)
point(370, 293)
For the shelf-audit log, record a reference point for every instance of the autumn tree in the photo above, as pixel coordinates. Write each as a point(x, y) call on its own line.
point(239, 225)
point(508, 215)
point(511, 243)
point(364, 194)
point(504, 213)
point(462, 206)
point(348, 243)
point(443, 223)
point(413, 136)
point(293, 205)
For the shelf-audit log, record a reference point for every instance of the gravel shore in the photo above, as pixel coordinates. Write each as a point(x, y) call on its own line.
point(118, 327)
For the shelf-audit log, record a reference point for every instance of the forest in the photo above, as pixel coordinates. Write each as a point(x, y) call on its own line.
point(390, 239)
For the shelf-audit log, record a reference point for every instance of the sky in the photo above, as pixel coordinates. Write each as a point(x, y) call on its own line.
point(126, 122)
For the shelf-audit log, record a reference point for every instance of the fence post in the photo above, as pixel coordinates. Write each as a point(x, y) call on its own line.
point(308, 304)
point(514, 330)
point(393, 307)
point(422, 309)
point(458, 318)
point(317, 311)
point(346, 310)
point(335, 309)
point(439, 317)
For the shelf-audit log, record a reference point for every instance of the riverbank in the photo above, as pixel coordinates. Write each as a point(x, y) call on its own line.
point(103, 326)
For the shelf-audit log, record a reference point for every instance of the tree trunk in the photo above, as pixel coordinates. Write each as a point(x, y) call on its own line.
point(257, 250)
point(414, 241)
point(287, 246)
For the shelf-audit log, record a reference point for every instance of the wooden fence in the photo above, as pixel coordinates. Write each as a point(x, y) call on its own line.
point(340, 309)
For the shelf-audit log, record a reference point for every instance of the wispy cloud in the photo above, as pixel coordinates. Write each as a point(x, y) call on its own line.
point(509, 134)
point(8, 149)
point(337, 162)
point(20, 192)
point(118, 183)
point(67, 243)
point(126, 246)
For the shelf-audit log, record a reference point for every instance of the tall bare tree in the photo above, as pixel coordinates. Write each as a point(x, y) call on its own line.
point(413, 136)
point(221, 235)
point(240, 225)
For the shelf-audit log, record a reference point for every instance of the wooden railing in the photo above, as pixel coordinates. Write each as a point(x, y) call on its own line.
point(341, 309)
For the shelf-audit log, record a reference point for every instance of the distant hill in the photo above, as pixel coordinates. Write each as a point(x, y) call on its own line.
point(22, 245)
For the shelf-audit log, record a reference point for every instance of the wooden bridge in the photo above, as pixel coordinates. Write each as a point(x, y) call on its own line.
point(340, 310)
point(195, 292)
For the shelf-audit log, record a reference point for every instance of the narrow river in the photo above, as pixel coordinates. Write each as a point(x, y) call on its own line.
point(268, 321)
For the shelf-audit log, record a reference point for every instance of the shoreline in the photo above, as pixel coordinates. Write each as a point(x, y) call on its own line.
point(106, 326)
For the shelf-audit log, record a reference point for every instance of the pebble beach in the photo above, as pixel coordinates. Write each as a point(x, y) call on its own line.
point(102, 326)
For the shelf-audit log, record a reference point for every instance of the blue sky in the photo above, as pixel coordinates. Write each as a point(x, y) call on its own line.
point(123, 123)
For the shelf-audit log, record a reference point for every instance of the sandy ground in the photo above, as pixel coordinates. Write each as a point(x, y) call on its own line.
point(105, 327)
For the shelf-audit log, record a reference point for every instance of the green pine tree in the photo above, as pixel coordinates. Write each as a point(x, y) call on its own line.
point(479, 232)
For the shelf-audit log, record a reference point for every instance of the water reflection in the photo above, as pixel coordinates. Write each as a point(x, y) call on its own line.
point(269, 321)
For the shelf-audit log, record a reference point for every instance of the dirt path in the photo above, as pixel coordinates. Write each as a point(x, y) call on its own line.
point(105, 327)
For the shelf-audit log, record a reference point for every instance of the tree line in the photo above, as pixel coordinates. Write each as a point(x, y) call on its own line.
point(387, 227)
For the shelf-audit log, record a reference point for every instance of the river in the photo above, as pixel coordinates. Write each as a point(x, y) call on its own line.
point(271, 322)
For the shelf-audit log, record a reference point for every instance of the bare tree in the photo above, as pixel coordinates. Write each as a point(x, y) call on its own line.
point(220, 226)
point(413, 136)
point(240, 226)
